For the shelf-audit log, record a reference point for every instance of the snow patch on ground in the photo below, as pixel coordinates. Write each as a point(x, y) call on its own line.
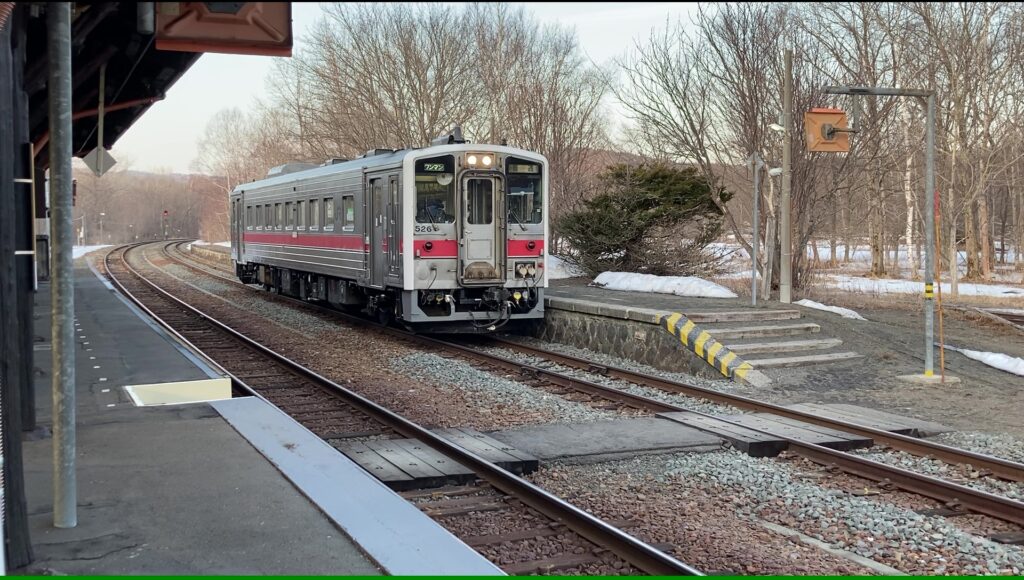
point(1003, 362)
point(205, 243)
point(559, 269)
point(844, 312)
point(891, 286)
point(79, 251)
point(678, 285)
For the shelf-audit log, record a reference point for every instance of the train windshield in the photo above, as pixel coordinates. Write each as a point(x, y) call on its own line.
point(435, 190)
point(525, 196)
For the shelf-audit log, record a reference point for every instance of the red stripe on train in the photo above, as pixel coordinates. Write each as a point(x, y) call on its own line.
point(332, 241)
point(438, 248)
point(522, 249)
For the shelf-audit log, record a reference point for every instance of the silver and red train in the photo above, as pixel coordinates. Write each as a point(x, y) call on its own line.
point(446, 238)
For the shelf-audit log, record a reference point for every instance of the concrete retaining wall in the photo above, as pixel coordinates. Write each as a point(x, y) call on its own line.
point(633, 334)
point(220, 255)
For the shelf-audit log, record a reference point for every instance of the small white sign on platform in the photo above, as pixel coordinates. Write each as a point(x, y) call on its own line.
point(180, 392)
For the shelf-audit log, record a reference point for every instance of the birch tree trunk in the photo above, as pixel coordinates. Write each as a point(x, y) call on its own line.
point(908, 195)
point(985, 237)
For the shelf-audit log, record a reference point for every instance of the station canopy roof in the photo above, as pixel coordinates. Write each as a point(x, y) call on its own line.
point(137, 73)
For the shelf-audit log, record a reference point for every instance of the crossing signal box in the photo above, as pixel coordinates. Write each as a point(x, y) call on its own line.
point(826, 130)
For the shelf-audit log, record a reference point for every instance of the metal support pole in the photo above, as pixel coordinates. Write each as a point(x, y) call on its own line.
point(99, 129)
point(144, 18)
point(786, 270)
point(930, 195)
point(929, 255)
point(65, 491)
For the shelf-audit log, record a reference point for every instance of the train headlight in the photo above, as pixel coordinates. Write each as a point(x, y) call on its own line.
point(531, 270)
point(487, 160)
point(521, 269)
point(471, 159)
point(517, 296)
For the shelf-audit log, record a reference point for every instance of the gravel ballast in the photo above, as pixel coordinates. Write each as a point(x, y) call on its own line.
point(962, 474)
point(691, 403)
point(998, 445)
point(895, 536)
point(505, 394)
point(701, 525)
point(724, 386)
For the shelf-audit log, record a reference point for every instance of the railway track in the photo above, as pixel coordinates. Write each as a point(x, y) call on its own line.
point(336, 413)
point(949, 493)
point(1015, 317)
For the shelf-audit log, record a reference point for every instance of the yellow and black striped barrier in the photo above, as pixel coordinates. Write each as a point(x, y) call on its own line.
point(701, 343)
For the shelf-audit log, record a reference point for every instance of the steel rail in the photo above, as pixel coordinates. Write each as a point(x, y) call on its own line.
point(951, 493)
point(629, 548)
point(973, 499)
point(235, 381)
point(997, 466)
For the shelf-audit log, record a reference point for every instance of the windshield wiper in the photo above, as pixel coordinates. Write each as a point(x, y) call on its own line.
point(431, 218)
point(512, 212)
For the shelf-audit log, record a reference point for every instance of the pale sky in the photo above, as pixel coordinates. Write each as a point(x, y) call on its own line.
point(165, 138)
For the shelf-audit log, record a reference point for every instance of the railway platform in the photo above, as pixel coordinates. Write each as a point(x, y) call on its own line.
point(226, 487)
point(633, 324)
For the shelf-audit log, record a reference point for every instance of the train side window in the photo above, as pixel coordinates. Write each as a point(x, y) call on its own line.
point(248, 217)
point(257, 218)
point(314, 214)
point(301, 223)
point(348, 213)
point(289, 212)
point(268, 216)
point(278, 216)
point(328, 214)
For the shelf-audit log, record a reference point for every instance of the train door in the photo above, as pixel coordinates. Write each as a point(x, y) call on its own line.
point(482, 231)
point(378, 231)
point(238, 221)
point(394, 233)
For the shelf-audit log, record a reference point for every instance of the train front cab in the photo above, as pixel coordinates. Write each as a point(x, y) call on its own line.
point(479, 223)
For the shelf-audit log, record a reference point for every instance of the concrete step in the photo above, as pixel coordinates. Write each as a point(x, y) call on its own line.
point(751, 315)
point(796, 361)
point(785, 346)
point(755, 331)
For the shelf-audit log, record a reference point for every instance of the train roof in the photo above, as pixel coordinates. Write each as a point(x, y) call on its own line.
point(370, 161)
point(381, 159)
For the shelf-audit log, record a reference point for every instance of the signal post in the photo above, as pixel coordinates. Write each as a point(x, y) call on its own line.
point(826, 130)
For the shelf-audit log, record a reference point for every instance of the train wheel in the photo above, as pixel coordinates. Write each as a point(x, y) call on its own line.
point(385, 316)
